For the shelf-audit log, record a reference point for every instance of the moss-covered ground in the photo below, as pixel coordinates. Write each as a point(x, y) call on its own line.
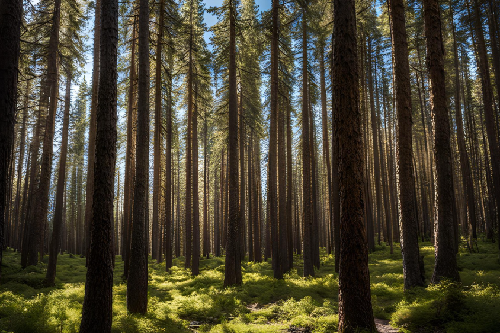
point(179, 302)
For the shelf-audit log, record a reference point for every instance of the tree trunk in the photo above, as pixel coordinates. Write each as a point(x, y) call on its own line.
point(137, 283)
point(446, 263)
point(97, 305)
point(55, 243)
point(39, 221)
point(355, 309)
point(306, 159)
point(11, 12)
point(92, 130)
point(233, 263)
point(408, 223)
point(128, 196)
point(156, 235)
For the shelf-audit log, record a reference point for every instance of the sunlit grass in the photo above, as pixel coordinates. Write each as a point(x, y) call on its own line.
point(179, 302)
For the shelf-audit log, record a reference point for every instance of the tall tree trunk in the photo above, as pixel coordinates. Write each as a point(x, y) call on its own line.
point(55, 243)
point(487, 92)
point(195, 270)
point(355, 309)
point(326, 146)
point(335, 175)
point(306, 159)
point(168, 165)
point(282, 213)
point(408, 223)
point(39, 221)
point(17, 203)
point(272, 200)
point(376, 156)
point(233, 263)
point(188, 203)
point(289, 180)
point(464, 157)
point(156, 235)
point(137, 283)
point(128, 186)
point(97, 311)
point(92, 129)
point(446, 262)
point(11, 12)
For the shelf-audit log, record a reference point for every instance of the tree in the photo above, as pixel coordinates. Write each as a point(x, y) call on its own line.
point(446, 261)
point(11, 12)
point(137, 283)
point(408, 223)
point(355, 309)
point(233, 264)
point(97, 304)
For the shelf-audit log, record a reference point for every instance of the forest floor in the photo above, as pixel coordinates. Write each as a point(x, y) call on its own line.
point(179, 302)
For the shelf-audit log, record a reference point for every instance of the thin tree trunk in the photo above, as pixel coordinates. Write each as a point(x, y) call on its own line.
point(55, 242)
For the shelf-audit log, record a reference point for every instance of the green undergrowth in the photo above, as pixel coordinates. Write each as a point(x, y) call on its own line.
point(179, 302)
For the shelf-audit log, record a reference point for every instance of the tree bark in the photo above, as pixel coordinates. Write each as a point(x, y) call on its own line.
point(355, 309)
point(137, 283)
point(408, 223)
point(446, 263)
point(55, 243)
point(11, 12)
point(233, 263)
point(97, 305)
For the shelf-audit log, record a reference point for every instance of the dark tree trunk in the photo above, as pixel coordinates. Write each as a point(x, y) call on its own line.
point(408, 223)
point(489, 116)
point(97, 305)
point(335, 178)
point(128, 187)
point(464, 157)
point(11, 12)
point(306, 160)
point(196, 209)
point(446, 263)
point(55, 243)
point(355, 309)
point(137, 283)
point(168, 167)
point(92, 130)
point(39, 221)
point(156, 235)
point(272, 200)
point(233, 263)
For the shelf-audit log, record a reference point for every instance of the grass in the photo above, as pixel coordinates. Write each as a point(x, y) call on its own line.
point(179, 302)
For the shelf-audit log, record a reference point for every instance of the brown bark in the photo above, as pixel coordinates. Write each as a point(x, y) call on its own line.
point(11, 12)
point(156, 235)
point(446, 263)
point(233, 263)
point(272, 182)
point(55, 242)
point(408, 223)
point(137, 283)
point(306, 159)
point(489, 117)
point(128, 186)
point(39, 219)
point(92, 129)
point(355, 310)
point(97, 305)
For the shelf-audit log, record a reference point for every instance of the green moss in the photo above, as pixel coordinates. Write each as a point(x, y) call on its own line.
point(262, 304)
